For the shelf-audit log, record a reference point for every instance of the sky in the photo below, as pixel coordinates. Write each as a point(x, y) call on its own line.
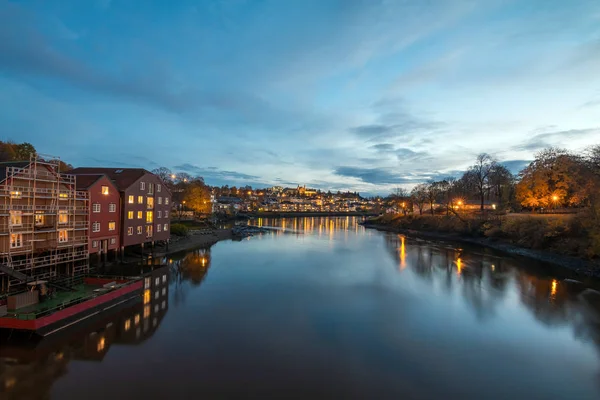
point(362, 95)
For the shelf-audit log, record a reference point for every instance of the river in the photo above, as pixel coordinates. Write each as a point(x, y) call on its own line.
point(324, 308)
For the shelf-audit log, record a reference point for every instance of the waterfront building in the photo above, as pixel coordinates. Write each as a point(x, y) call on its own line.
point(43, 223)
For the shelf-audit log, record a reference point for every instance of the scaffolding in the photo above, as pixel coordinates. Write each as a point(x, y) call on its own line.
point(43, 223)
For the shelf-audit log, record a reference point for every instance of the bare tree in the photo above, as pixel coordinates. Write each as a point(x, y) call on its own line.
point(418, 196)
point(163, 173)
point(480, 173)
point(432, 192)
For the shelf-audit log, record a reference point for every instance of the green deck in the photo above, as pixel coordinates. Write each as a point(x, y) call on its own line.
point(60, 297)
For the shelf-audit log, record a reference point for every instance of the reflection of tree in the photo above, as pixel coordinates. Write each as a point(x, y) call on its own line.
point(191, 266)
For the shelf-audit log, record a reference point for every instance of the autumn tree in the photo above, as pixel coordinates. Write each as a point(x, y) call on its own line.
point(197, 196)
point(23, 151)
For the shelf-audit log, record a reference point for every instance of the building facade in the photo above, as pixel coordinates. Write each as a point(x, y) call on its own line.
point(43, 223)
point(104, 213)
point(145, 204)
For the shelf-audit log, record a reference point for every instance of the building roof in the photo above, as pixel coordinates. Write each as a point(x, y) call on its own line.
point(86, 181)
point(121, 177)
point(4, 165)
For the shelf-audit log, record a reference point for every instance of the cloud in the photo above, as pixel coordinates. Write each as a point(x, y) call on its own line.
point(383, 147)
point(405, 154)
point(549, 139)
point(515, 166)
point(214, 173)
point(394, 125)
point(376, 176)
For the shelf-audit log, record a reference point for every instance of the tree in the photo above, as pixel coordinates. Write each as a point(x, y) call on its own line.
point(7, 152)
point(164, 174)
point(419, 196)
point(23, 151)
point(432, 192)
point(480, 174)
point(197, 196)
point(501, 183)
point(555, 177)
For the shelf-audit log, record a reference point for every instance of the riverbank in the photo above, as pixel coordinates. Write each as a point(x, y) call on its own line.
point(275, 214)
point(195, 240)
point(580, 266)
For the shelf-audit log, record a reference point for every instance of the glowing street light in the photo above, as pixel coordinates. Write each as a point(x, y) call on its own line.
point(173, 176)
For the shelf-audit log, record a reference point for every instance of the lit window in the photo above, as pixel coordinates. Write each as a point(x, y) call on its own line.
point(96, 227)
point(136, 319)
point(160, 200)
point(130, 199)
point(166, 201)
point(149, 217)
point(147, 282)
point(16, 240)
point(63, 217)
point(96, 207)
point(158, 187)
point(112, 225)
point(39, 218)
point(15, 194)
point(158, 228)
point(112, 207)
point(113, 240)
point(139, 230)
point(127, 324)
point(130, 231)
point(150, 202)
point(146, 311)
point(63, 196)
point(146, 296)
point(140, 199)
point(100, 346)
point(95, 244)
point(142, 185)
point(104, 189)
point(166, 228)
point(63, 236)
point(140, 214)
point(16, 218)
point(129, 214)
point(159, 213)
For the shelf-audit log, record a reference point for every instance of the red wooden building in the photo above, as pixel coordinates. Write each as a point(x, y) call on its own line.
point(104, 213)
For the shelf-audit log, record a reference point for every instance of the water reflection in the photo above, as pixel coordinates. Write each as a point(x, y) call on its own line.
point(29, 367)
point(322, 226)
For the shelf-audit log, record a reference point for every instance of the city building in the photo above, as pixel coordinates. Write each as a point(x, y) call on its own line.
point(43, 223)
point(104, 213)
point(145, 204)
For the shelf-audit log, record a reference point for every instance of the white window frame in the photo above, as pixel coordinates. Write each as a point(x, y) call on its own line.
point(61, 213)
point(159, 214)
point(159, 200)
point(94, 244)
point(113, 240)
point(102, 189)
point(41, 215)
point(140, 200)
point(157, 228)
point(96, 226)
point(166, 201)
point(17, 242)
point(64, 233)
point(166, 214)
point(139, 230)
point(142, 185)
point(96, 208)
point(158, 187)
point(112, 207)
point(114, 227)
point(130, 231)
point(166, 228)
point(16, 218)
point(131, 199)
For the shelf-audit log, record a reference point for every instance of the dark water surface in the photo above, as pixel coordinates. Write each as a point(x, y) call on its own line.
point(324, 308)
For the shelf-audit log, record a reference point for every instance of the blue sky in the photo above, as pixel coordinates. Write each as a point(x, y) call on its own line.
point(349, 94)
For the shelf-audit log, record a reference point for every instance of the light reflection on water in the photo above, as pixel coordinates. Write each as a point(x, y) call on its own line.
point(324, 308)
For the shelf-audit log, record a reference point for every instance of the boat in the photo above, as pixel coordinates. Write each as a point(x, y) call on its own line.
point(46, 308)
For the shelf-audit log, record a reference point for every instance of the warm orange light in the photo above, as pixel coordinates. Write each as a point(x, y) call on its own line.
point(402, 254)
point(173, 176)
point(459, 265)
point(100, 344)
point(554, 287)
point(555, 198)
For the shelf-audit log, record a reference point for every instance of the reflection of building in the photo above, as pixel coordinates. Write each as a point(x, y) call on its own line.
point(29, 370)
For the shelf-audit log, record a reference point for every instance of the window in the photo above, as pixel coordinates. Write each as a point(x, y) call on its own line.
point(113, 240)
point(166, 214)
point(164, 291)
point(136, 319)
point(158, 187)
point(96, 227)
point(148, 230)
point(166, 201)
point(140, 214)
point(156, 294)
point(157, 281)
point(16, 218)
point(129, 214)
point(166, 228)
point(158, 214)
point(130, 199)
point(142, 185)
point(127, 324)
point(146, 296)
point(96, 207)
point(149, 217)
point(63, 236)
point(160, 200)
point(139, 230)
point(147, 283)
point(15, 194)
point(146, 311)
point(95, 244)
point(39, 218)
point(104, 189)
point(130, 231)
point(158, 228)
point(163, 304)
point(164, 278)
point(150, 203)
point(16, 240)
point(140, 199)
point(151, 188)
point(112, 225)
point(63, 217)
point(112, 207)
point(63, 196)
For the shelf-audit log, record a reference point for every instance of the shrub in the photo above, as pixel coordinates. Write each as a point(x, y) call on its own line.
point(179, 230)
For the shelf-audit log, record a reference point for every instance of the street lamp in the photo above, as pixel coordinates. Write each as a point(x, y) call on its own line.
point(173, 176)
